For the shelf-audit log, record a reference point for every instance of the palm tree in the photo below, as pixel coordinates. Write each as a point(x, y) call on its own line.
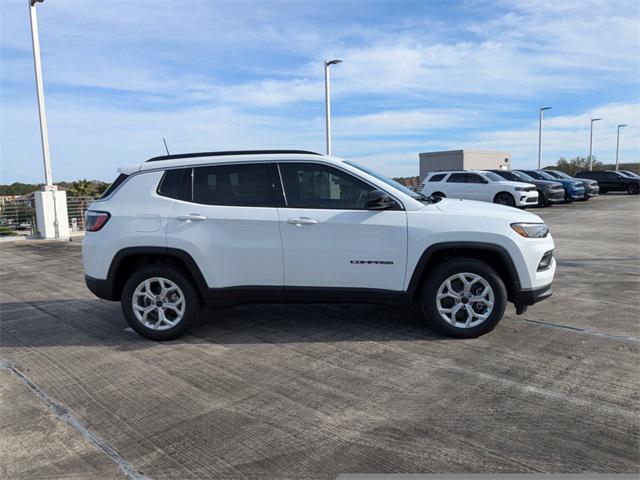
point(81, 189)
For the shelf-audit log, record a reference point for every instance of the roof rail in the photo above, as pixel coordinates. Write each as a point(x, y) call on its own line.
point(230, 152)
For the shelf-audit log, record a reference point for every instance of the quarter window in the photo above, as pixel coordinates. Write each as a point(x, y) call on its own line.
point(242, 185)
point(310, 185)
point(176, 184)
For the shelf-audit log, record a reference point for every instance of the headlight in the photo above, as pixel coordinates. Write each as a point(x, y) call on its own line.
point(520, 189)
point(578, 185)
point(531, 230)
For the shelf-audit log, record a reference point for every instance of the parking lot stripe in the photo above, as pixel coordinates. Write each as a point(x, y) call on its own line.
point(61, 412)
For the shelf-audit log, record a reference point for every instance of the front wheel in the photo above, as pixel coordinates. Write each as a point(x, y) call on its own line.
point(633, 189)
point(464, 298)
point(160, 302)
point(504, 198)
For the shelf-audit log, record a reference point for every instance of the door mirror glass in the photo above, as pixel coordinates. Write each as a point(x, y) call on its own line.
point(379, 200)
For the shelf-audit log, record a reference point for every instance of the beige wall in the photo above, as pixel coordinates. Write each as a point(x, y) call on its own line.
point(462, 160)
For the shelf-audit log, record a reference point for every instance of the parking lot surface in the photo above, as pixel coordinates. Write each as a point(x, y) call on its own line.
point(310, 391)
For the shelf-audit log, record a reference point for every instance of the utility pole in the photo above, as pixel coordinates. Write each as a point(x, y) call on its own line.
point(591, 142)
point(618, 143)
point(327, 100)
point(542, 109)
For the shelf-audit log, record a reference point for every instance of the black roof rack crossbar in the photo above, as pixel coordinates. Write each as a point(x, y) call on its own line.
point(231, 152)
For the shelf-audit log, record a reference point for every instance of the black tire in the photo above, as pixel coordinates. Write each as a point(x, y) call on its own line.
point(462, 265)
point(439, 194)
point(542, 200)
point(504, 198)
point(602, 192)
point(633, 189)
point(192, 302)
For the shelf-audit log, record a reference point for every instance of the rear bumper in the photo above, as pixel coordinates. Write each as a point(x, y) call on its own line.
point(523, 298)
point(100, 288)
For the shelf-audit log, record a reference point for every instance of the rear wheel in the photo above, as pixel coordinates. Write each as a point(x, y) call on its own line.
point(160, 302)
point(464, 298)
point(504, 198)
point(633, 189)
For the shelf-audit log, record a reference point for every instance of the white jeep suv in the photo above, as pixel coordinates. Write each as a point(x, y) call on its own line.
point(180, 231)
point(480, 185)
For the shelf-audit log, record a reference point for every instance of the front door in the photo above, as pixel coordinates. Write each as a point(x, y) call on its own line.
point(330, 239)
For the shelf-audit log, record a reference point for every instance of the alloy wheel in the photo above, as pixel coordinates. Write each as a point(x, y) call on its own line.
point(465, 300)
point(158, 303)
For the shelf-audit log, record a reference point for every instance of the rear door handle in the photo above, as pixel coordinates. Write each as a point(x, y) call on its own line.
point(192, 217)
point(298, 222)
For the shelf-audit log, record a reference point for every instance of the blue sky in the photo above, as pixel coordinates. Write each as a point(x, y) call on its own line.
point(417, 76)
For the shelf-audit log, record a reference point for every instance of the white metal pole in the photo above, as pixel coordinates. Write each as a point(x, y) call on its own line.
point(591, 146)
point(327, 106)
point(617, 147)
point(618, 144)
point(44, 134)
point(540, 140)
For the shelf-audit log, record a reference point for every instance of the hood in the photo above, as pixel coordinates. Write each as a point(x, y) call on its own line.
point(479, 209)
point(547, 183)
point(513, 184)
point(566, 181)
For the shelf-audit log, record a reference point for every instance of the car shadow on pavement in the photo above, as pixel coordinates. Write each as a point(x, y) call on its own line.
point(93, 322)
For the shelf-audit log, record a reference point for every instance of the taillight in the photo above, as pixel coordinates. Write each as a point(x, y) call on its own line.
point(94, 221)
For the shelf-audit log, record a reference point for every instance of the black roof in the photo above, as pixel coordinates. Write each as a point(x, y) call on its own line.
point(230, 152)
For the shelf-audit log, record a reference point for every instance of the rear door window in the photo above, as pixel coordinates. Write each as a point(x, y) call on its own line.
point(457, 178)
point(240, 185)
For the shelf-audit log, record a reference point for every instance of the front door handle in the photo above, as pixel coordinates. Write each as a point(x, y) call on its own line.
point(192, 217)
point(298, 222)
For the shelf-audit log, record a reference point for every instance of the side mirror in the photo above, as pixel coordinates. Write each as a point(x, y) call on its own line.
point(379, 200)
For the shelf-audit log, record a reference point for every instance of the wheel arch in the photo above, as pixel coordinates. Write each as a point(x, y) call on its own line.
point(129, 259)
point(504, 192)
point(494, 255)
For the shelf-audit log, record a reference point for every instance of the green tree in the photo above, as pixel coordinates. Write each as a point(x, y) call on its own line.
point(81, 188)
point(576, 164)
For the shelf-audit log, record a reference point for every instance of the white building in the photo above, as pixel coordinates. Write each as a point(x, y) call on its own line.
point(463, 160)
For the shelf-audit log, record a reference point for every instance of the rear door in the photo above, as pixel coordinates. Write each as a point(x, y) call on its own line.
point(330, 239)
point(456, 185)
point(225, 217)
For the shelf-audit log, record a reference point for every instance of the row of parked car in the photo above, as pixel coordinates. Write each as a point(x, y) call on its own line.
point(526, 188)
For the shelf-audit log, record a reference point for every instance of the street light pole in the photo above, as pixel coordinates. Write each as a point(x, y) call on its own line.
point(591, 142)
point(542, 109)
point(44, 133)
point(327, 100)
point(618, 143)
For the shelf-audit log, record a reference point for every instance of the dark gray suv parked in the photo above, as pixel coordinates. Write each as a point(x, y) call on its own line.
point(548, 192)
point(612, 181)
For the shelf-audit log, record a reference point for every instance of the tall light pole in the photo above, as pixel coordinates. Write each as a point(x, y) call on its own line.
point(44, 133)
point(591, 142)
point(618, 143)
point(327, 100)
point(542, 109)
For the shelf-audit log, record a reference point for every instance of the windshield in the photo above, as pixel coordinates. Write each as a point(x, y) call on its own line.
point(387, 180)
point(494, 177)
point(522, 177)
point(628, 174)
point(558, 174)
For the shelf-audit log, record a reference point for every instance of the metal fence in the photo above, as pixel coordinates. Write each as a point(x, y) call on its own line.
point(76, 208)
point(17, 217)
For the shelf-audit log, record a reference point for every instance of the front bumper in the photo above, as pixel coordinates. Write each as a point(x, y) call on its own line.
point(523, 298)
point(590, 192)
point(553, 196)
point(524, 199)
point(576, 194)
